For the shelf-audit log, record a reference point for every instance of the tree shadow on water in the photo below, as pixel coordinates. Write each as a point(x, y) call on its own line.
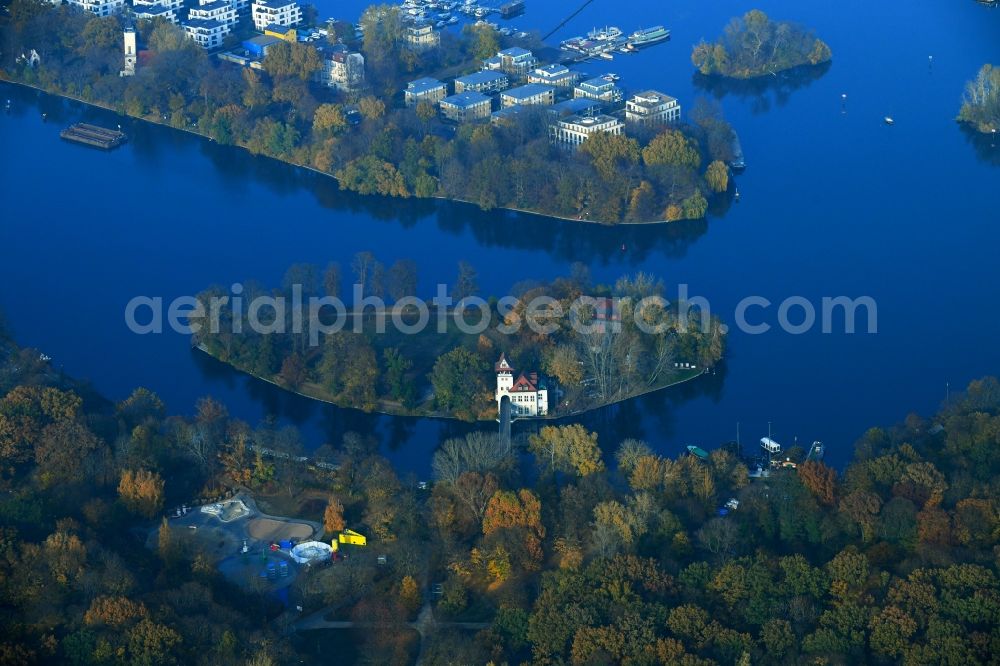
point(763, 91)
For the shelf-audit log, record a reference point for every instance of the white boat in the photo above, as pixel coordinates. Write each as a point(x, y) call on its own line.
point(889, 120)
point(608, 34)
point(607, 56)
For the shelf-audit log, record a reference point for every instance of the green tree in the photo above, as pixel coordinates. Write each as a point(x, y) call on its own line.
point(459, 384)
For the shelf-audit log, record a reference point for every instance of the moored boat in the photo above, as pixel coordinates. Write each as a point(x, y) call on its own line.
point(648, 36)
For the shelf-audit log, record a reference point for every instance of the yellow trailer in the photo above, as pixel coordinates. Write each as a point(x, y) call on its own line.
point(353, 538)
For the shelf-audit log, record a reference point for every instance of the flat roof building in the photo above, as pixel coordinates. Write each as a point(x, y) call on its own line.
point(99, 7)
point(278, 12)
point(572, 131)
point(484, 81)
point(425, 89)
point(206, 33)
point(259, 45)
point(515, 61)
point(652, 108)
point(556, 75)
point(580, 106)
point(466, 106)
point(532, 93)
point(601, 88)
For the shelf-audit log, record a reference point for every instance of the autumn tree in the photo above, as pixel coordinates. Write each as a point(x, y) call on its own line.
point(564, 364)
point(141, 492)
point(568, 449)
point(329, 120)
point(333, 516)
point(409, 594)
point(820, 479)
point(717, 176)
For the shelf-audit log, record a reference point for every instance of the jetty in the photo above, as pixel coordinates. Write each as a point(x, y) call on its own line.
point(92, 135)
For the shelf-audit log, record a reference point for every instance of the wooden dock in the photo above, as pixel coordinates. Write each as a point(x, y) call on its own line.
point(92, 135)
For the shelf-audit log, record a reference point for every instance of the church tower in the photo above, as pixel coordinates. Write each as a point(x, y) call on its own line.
point(130, 52)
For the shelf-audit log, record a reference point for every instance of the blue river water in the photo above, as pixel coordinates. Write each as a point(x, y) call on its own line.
point(834, 203)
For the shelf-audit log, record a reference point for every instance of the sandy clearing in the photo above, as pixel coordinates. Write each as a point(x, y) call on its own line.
point(268, 529)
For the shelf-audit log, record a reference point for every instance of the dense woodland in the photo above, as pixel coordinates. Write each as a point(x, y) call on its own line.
point(450, 372)
point(981, 101)
point(607, 553)
point(393, 151)
point(754, 45)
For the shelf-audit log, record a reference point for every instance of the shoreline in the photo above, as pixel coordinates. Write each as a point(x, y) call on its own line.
point(549, 417)
point(4, 78)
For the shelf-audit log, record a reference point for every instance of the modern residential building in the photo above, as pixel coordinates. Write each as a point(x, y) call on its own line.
point(207, 33)
point(574, 130)
point(99, 7)
point(532, 93)
point(223, 11)
point(507, 116)
point(342, 69)
point(154, 10)
point(516, 61)
point(580, 106)
point(130, 52)
point(528, 394)
point(422, 36)
point(652, 108)
point(424, 90)
point(601, 88)
point(278, 12)
point(484, 82)
point(466, 106)
point(150, 9)
point(556, 75)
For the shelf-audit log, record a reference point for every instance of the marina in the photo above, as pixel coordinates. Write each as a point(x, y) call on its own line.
point(92, 135)
point(604, 42)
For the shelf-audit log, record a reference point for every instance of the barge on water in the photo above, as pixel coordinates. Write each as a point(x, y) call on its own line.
point(92, 135)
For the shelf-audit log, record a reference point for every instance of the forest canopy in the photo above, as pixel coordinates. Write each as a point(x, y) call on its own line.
point(754, 45)
point(606, 552)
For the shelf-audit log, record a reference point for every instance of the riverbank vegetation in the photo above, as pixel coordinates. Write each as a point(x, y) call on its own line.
point(981, 101)
point(391, 150)
point(594, 558)
point(754, 45)
point(593, 356)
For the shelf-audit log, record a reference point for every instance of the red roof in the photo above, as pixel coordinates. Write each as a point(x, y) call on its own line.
point(525, 383)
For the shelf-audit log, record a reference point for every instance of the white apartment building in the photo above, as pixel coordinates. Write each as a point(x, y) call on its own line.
point(652, 108)
point(572, 131)
point(207, 33)
point(278, 12)
point(99, 7)
point(223, 11)
point(155, 10)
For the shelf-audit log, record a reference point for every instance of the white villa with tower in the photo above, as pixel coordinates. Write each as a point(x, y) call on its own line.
point(529, 395)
